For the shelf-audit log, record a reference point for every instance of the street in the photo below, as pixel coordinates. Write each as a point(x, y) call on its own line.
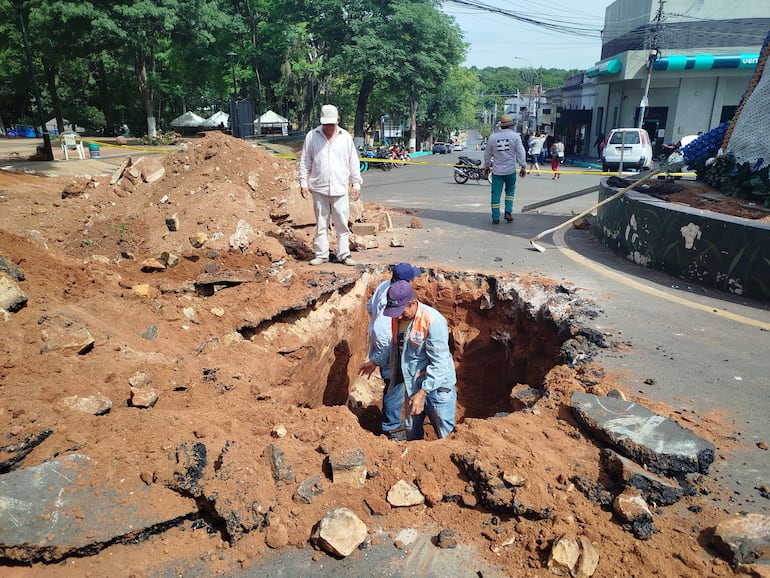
point(698, 350)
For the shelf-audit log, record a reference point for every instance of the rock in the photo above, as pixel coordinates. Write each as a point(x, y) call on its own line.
point(276, 535)
point(632, 509)
point(430, 488)
point(172, 223)
point(589, 559)
point(657, 442)
point(139, 379)
point(402, 493)
point(513, 479)
point(68, 338)
point(12, 298)
point(151, 169)
point(153, 264)
point(654, 488)
point(564, 556)
point(121, 140)
point(396, 243)
point(574, 557)
point(339, 532)
point(630, 506)
point(308, 489)
point(363, 229)
point(523, 397)
point(143, 397)
point(356, 211)
point(94, 404)
point(348, 467)
point(142, 289)
point(241, 238)
point(279, 431)
point(744, 539)
point(446, 539)
point(231, 338)
point(281, 471)
point(198, 239)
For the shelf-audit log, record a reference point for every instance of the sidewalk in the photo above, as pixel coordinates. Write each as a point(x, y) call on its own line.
point(14, 153)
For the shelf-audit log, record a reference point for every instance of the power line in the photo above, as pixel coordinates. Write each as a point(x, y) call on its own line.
point(554, 26)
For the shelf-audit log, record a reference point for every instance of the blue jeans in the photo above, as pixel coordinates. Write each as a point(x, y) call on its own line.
point(440, 407)
point(498, 181)
point(392, 402)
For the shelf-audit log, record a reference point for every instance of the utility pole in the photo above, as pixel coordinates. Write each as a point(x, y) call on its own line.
point(653, 44)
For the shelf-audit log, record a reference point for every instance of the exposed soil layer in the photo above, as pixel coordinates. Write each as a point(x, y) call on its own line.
point(254, 354)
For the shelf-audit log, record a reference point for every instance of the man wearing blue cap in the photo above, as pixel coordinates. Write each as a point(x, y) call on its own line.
point(380, 337)
point(421, 360)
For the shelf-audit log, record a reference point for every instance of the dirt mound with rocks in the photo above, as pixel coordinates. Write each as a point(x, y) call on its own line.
point(171, 332)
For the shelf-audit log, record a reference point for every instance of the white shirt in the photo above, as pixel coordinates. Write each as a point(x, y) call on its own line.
point(327, 166)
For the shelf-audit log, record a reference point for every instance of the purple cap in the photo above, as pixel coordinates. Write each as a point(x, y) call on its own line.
point(400, 294)
point(405, 272)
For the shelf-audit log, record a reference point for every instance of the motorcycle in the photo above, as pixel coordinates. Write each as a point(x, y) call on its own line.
point(385, 154)
point(468, 168)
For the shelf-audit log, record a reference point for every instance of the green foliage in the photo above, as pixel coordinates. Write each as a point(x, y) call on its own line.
point(101, 63)
point(736, 179)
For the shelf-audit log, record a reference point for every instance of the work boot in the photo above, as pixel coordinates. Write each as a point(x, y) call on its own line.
point(495, 221)
point(399, 435)
point(509, 217)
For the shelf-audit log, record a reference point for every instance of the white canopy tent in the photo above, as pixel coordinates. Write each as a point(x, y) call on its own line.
point(217, 119)
point(188, 120)
point(271, 123)
point(68, 126)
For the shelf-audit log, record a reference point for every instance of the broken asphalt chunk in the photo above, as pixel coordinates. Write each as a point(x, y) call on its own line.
point(57, 509)
point(662, 445)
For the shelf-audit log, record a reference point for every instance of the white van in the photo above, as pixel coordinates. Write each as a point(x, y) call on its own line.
point(631, 145)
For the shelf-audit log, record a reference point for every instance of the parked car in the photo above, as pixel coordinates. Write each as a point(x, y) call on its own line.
point(632, 145)
point(459, 146)
point(442, 147)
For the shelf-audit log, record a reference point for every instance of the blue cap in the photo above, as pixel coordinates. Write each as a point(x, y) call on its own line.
point(405, 272)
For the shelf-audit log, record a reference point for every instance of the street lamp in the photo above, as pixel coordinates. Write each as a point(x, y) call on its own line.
point(534, 78)
point(41, 119)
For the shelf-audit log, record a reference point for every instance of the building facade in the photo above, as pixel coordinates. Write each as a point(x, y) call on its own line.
point(675, 68)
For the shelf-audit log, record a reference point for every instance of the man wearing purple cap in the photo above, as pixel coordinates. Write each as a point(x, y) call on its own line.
point(421, 360)
point(380, 337)
point(328, 166)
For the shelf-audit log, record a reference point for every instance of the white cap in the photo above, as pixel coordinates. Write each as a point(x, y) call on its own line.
point(329, 114)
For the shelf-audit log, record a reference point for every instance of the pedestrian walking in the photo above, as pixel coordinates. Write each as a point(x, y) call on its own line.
point(421, 360)
point(505, 153)
point(380, 338)
point(328, 168)
point(535, 148)
point(557, 157)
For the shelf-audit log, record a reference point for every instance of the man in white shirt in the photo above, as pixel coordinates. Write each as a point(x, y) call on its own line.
point(327, 167)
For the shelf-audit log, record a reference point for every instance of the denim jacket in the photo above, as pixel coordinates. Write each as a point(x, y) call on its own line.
point(426, 361)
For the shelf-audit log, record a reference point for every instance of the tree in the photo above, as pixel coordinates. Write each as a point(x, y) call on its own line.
point(427, 44)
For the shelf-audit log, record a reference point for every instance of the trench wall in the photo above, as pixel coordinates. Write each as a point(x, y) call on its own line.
point(711, 249)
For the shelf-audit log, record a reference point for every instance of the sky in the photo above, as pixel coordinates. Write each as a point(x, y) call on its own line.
point(498, 40)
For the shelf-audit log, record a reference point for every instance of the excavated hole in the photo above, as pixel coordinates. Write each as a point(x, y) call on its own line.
point(504, 331)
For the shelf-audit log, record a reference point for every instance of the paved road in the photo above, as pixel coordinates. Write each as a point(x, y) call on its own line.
point(701, 351)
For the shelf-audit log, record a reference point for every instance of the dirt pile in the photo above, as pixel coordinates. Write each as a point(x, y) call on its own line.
point(253, 358)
